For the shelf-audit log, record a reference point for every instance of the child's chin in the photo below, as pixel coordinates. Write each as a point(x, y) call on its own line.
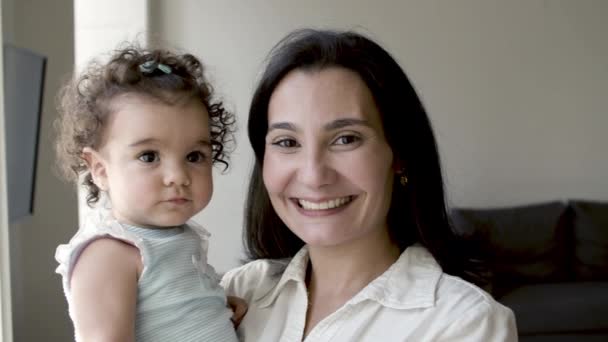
point(160, 224)
point(171, 224)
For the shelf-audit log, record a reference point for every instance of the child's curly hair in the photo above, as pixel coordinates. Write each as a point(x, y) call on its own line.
point(85, 104)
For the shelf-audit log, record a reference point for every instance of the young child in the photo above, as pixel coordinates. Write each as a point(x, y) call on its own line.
point(143, 132)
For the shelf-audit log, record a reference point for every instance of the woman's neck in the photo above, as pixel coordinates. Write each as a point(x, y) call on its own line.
point(336, 274)
point(349, 268)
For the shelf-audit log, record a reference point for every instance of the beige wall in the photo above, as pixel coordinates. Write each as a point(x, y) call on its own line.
point(517, 90)
point(39, 307)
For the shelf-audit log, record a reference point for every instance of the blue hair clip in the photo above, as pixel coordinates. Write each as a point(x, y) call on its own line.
point(148, 67)
point(164, 68)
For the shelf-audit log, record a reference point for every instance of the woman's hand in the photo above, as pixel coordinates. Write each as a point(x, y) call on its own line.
point(239, 308)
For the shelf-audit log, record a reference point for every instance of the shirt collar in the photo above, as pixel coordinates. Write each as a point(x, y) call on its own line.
point(295, 271)
point(409, 283)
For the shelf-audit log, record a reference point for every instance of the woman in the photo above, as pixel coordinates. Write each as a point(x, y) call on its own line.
point(345, 218)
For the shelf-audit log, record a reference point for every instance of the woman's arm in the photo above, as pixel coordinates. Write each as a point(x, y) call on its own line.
point(104, 291)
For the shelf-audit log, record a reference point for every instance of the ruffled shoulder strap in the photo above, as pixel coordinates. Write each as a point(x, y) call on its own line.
point(97, 224)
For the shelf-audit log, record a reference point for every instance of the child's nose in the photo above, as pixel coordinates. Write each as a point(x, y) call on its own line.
point(176, 175)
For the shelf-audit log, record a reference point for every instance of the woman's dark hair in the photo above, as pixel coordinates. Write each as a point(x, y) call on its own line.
point(85, 102)
point(418, 210)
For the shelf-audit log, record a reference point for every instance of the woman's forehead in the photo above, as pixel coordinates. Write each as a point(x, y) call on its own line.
point(324, 95)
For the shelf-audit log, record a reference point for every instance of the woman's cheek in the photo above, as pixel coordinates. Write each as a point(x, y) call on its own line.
point(272, 173)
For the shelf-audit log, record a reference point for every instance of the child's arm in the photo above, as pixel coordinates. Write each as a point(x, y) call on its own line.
point(104, 291)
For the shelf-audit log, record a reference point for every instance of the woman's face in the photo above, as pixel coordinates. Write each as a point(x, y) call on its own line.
point(327, 165)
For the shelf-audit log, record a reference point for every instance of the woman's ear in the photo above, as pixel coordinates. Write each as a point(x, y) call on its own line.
point(399, 169)
point(398, 166)
point(97, 166)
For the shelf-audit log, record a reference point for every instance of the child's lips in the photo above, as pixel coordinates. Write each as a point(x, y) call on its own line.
point(178, 200)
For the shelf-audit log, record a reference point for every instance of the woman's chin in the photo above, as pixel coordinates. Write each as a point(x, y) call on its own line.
point(323, 240)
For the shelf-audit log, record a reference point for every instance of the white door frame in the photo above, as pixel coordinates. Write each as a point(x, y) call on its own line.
point(6, 323)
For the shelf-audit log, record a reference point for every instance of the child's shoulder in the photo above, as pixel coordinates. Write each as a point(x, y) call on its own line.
point(109, 255)
point(89, 234)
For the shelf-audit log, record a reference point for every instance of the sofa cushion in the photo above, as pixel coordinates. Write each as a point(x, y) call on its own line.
point(524, 244)
point(601, 336)
point(591, 239)
point(559, 307)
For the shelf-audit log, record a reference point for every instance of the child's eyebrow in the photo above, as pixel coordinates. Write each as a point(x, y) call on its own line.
point(205, 143)
point(143, 142)
point(202, 142)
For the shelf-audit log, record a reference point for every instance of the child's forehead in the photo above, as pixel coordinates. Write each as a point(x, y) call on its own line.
point(164, 99)
point(139, 118)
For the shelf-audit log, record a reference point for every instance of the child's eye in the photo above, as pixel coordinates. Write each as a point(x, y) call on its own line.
point(286, 143)
point(346, 139)
point(148, 157)
point(196, 157)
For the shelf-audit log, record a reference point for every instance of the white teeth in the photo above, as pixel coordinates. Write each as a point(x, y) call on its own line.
point(331, 204)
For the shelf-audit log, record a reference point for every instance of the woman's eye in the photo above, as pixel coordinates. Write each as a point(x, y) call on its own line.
point(286, 143)
point(346, 139)
point(148, 157)
point(195, 157)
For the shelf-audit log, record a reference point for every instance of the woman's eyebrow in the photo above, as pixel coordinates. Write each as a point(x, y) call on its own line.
point(336, 124)
point(341, 123)
point(282, 125)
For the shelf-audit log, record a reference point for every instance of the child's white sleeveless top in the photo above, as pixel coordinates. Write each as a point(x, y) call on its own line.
point(179, 297)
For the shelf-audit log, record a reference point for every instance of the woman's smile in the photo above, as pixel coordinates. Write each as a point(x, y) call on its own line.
point(324, 204)
point(326, 207)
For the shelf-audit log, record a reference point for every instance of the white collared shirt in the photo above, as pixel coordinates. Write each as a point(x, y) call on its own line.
point(411, 301)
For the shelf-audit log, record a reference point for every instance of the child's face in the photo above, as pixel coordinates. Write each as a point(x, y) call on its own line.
point(155, 161)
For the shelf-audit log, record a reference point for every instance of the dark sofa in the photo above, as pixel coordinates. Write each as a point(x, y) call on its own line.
point(549, 263)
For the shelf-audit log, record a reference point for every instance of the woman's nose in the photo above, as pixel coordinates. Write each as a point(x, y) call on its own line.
point(315, 169)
